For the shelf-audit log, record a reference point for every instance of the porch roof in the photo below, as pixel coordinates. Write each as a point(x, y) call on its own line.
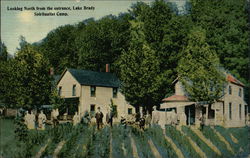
point(175, 98)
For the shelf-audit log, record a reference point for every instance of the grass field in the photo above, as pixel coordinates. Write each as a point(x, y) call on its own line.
point(67, 141)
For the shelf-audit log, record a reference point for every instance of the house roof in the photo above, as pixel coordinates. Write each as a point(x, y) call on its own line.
point(175, 98)
point(232, 79)
point(93, 78)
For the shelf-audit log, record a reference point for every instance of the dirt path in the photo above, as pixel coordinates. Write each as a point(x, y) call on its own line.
point(176, 149)
point(224, 141)
point(40, 152)
point(124, 150)
point(207, 141)
point(234, 139)
point(193, 144)
point(58, 148)
point(154, 150)
point(135, 153)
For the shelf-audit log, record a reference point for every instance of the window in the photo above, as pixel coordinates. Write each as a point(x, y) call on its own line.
point(92, 91)
point(74, 90)
point(240, 91)
point(115, 91)
point(92, 108)
point(129, 111)
point(60, 91)
point(230, 90)
point(230, 111)
point(240, 111)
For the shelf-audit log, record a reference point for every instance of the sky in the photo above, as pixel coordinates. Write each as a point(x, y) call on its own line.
point(35, 28)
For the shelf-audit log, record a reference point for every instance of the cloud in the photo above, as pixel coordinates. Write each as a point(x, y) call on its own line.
point(25, 16)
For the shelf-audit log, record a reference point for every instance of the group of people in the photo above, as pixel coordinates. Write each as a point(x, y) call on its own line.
point(30, 120)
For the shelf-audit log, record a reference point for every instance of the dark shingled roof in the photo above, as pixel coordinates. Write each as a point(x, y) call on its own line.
point(103, 79)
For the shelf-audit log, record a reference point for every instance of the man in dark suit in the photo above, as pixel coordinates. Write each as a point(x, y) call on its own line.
point(99, 116)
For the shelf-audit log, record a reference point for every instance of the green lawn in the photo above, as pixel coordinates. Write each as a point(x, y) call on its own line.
point(8, 144)
point(86, 141)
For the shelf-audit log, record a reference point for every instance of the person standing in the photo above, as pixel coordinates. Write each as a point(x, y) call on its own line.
point(76, 119)
point(41, 120)
point(32, 120)
point(109, 118)
point(54, 115)
point(202, 121)
point(99, 116)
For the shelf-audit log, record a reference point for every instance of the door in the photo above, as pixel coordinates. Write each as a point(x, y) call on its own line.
point(190, 113)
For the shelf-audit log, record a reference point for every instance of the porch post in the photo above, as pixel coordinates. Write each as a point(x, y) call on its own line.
point(189, 116)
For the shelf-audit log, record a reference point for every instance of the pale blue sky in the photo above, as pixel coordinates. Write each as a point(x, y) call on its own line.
point(35, 28)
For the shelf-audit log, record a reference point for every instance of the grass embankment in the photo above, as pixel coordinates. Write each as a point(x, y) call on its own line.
point(121, 144)
point(241, 148)
point(213, 137)
point(156, 134)
point(181, 142)
point(204, 147)
point(85, 141)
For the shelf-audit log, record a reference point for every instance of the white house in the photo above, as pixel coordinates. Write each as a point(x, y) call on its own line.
point(230, 111)
point(91, 90)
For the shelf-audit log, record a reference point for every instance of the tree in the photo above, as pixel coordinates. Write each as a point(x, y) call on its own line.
point(25, 80)
point(227, 27)
point(140, 73)
point(3, 52)
point(199, 71)
point(101, 42)
point(166, 33)
point(59, 48)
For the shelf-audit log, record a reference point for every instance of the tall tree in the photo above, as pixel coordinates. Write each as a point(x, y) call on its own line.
point(140, 71)
point(25, 80)
point(102, 41)
point(59, 48)
point(227, 26)
point(3, 52)
point(199, 71)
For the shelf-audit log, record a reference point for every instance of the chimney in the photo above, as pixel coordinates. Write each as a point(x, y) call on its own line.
point(107, 68)
point(51, 71)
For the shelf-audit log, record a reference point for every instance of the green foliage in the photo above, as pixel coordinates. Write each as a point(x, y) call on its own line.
point(25, 80)
point(227, 26)
point(208, 133)
point(204, 147)
point(21, 130)
point(120, 142)
point(198, 69)
point(3, 52)
point(113, 108)
point(102, 41)
point(140, 71)
point(181, 141)
point(101, 143)
point(155, 133)
point(59, 47)
point(141, 142)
